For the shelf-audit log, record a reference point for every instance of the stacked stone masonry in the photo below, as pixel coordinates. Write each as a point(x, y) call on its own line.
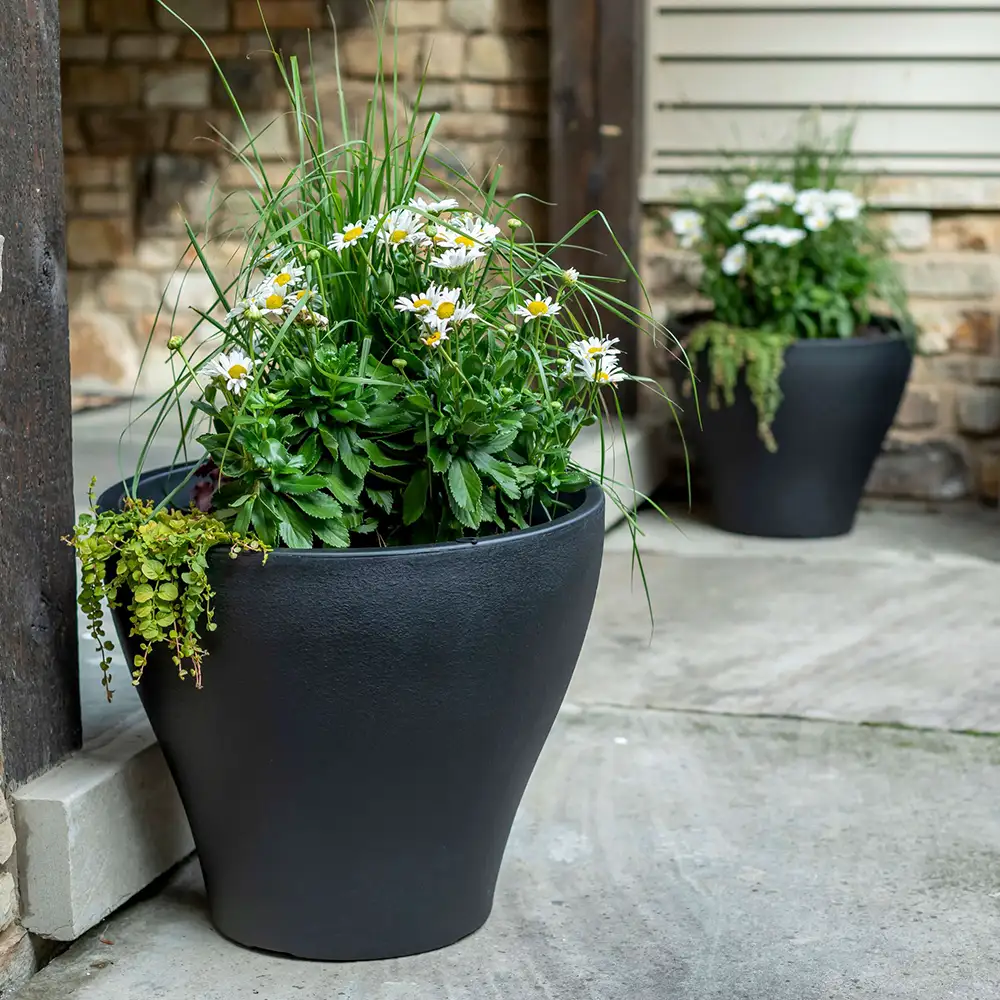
point(946, 441)
point(144, 109)
point(17, 952)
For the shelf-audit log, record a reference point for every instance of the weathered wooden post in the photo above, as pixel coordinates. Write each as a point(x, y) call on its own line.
point(594, 142)
point(39, 682)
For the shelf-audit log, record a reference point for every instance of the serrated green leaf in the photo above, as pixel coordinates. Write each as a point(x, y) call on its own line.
point(501, 441)
point(381, 497)
point(341, 487)
point(243, 518)
point(293, 537)
point(415, 497)
point(330, 441)
point(297, 485)
point(440, 458)
point(320, 505)
point(504, 475)
point(332, 532)
point(378, 457)
point(464, 485)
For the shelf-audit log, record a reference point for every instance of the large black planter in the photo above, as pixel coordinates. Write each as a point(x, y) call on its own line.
point(367, 726)
point(840, 399)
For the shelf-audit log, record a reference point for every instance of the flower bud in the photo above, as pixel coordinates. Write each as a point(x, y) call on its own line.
point(510, 328)
point(313, 255)
point(175, 343)
point(399, 363)
point(514, 223)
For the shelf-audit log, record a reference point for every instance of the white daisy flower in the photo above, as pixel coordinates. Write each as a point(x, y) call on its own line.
point(741, 219)
point(570, 276)
point(275, 254)
point(594, 347)
point(310, 294)
point(402, 227)
point(787, 237)
point(434, 207)
point(809, 200)
point(818, 220)
point(417, 302)
point(759, 234)
point(464, 312)
point(777, 192)
point(350, 235)
point(537, 307)
point(688, 227)
point(734, 260)
point(274, 299)
point(436, 332)
point(248, 309)
point(782, 236)
point(760, 206)
point(234, 367)
point(444, 302)
point(287, 278)
point(596, 369)
point(607, 369)
point(455, 257)
point(845, 205)
point(473, 232)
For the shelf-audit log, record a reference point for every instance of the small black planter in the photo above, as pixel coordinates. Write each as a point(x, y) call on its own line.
point(840, 399)
point(367, 727)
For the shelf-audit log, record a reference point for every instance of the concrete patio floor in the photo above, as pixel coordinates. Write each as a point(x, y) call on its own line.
point(785, 790)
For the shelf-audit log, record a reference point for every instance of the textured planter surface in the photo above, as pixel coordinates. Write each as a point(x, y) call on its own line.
point(840, 399)
point(367, 727)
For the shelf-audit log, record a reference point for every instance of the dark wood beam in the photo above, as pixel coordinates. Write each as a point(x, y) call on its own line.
point(39, 680)
point(595, 142)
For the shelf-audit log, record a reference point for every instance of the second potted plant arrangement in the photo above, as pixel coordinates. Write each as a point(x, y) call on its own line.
point(802, 362)
point(353, 619)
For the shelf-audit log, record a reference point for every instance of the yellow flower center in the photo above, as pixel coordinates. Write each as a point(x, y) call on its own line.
point(274, 301)
point(602, 377)
point(537, 308)
point(301, 295)
point(283, 279)
point(595, 350)
point(237, 371)
point(446, 310)
point(465, 241)
point(354, 233)
point(432, 339)
point(398, 235)
point(422, 303)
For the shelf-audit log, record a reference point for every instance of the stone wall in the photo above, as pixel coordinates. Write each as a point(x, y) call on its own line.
point(17, 952)
point(946, 441)
point(142, 100)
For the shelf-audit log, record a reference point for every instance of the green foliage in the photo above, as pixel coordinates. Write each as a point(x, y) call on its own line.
point(758, 355)
point(397, 361)
point(788, 253)
point(154, 565)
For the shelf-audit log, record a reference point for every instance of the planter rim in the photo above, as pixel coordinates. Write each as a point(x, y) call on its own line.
point(593, 498)
point(894, 334)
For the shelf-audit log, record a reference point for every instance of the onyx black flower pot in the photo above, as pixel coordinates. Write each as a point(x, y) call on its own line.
point(368, 723)
point(839, 400)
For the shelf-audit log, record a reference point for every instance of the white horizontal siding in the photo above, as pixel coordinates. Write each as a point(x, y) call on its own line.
point(877, 133)
point(921, 82)
point(790, 5)
point(854, 84)
point(825, 34)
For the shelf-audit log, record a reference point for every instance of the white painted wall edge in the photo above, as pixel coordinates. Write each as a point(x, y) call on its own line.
point(97, 829)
